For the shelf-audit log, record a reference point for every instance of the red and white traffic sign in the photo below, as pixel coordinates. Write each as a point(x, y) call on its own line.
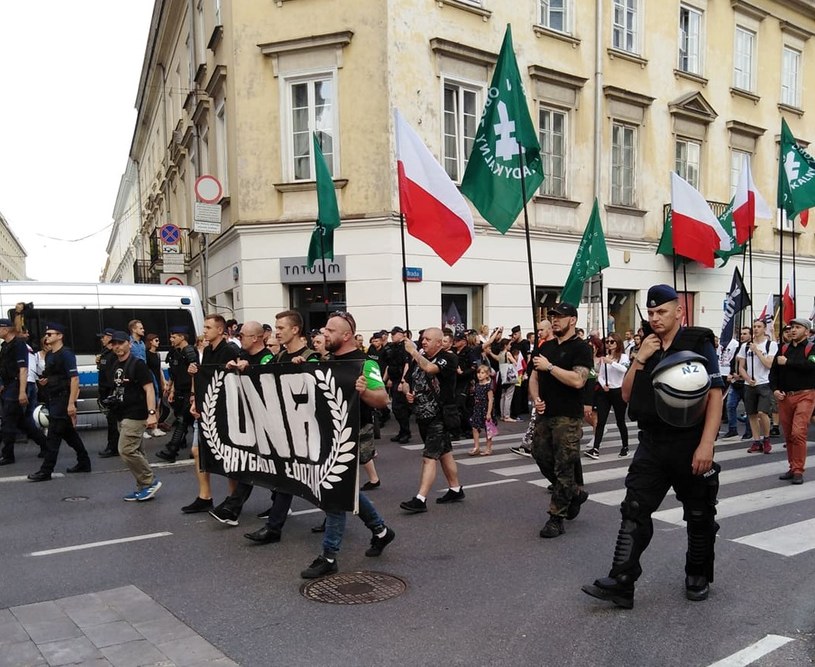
point(208, 189)
point(174, 280)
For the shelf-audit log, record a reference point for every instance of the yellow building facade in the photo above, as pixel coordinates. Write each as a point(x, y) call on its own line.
point(622, 92)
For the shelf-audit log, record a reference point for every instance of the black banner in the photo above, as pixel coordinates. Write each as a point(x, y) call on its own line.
point(291, 427)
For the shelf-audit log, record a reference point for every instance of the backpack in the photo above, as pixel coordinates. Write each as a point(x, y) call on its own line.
point(807, 349)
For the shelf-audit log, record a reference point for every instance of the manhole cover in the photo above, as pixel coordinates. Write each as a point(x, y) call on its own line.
point(354, 588)
point(75, 499)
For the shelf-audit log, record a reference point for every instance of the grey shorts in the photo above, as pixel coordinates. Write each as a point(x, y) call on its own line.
point(758, 399)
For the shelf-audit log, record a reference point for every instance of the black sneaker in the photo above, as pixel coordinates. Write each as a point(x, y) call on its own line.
point(612, 590)
point(553, 527)
point(396, 437)
point(404, 439)
point(592, 453)
point(319, 568)
point(197, 505)
point(451, 496)
point(378, 544)
point(107, 453)
point(224, 515)
point(265, 513)
point(696, 587)
point(731, 433)
point(520, 450)
point(623, 452)
point(414, 505)
point(79, 467)
point(164, 455)
point(775, 432)
point(370, 486)
point(574, 506)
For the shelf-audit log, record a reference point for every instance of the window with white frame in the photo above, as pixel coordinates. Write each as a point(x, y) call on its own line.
point(554, 14)
point(687, 161)
point(553, 138)
point(624, 25)
point(791, 77)
point(737, 158)
point(203, 135)
point(461, 108)
point(190, 61)
point(744, 59)
point(216, 5)
point(311, 108)
point(221, 153)
point(623, 164)
point(690, 40)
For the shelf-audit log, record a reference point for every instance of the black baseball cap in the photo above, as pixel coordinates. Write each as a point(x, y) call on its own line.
point(564, 308)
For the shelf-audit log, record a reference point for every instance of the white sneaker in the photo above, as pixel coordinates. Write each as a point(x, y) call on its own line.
point(157, 432)
point(146, 434)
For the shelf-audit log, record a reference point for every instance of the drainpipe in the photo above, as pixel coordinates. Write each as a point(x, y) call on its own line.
point(598, 122)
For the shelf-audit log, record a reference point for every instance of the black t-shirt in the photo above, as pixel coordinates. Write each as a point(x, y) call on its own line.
point(432, 392)
point(562, 400)
point(154, 364)
point(260, 358)
point(394, 357)
point(213, 359)
point(285, 356)
point(129, 377)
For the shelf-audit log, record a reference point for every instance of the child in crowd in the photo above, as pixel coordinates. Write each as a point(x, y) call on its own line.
point(481, 417)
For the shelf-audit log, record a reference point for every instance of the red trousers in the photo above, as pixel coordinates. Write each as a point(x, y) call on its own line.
point(794, 413)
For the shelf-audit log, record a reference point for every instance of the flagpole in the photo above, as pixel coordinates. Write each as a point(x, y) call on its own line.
point(685, 282)
point(404, 268)
point(750, 250)
point(325, 280)
point(522, 179)
point(781, 269)
point(792, 284)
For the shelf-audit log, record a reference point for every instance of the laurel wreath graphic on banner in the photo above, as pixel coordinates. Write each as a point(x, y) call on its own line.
point(341, 450)
point(208, 415)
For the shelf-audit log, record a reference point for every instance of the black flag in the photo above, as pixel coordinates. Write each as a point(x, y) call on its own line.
point(737, 299)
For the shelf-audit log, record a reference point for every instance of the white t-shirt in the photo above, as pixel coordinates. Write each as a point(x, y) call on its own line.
point(753, 366)
point(726, 356)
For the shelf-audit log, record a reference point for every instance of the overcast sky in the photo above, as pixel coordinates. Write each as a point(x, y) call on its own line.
point(70, 74)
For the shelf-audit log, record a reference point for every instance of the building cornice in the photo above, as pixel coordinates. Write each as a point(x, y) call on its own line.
point(749, 9)
point(557, 77)
point(444, 47)
point(623, 95)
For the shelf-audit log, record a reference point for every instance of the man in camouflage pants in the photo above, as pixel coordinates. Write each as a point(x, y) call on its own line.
point(561, 366)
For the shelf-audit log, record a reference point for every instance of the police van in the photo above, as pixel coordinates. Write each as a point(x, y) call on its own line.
point(86, 309)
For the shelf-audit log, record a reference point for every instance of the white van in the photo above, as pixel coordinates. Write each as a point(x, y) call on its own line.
point(86, 309)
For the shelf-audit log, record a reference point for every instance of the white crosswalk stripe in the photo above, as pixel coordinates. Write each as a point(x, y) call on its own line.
point(604, 479)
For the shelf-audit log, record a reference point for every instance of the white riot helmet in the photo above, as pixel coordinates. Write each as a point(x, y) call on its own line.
point(41, 416)
point(681, 383)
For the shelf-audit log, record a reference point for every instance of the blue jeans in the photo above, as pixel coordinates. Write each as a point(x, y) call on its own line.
point(335, 525)
point(734, 395)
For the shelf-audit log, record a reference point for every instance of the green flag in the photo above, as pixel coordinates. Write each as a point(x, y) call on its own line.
point(666, 244)
point(796, 175)
point(328, 213)
point(591, 258)
point(492, 180)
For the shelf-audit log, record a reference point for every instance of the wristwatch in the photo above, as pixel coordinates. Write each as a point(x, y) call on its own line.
point(550, 367)
point(151, 412)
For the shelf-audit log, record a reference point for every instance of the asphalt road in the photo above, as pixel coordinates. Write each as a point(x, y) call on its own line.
point(482, 587)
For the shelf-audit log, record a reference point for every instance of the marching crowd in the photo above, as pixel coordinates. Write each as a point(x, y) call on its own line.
point(452, 384)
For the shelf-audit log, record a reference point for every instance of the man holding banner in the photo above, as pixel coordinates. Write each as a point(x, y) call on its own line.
point(339, 340)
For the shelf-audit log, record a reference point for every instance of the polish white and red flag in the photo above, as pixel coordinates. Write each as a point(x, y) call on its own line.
point(788, 303)
point(697, 232)
point(768, 312)
point(435, 211)
point(748, 204)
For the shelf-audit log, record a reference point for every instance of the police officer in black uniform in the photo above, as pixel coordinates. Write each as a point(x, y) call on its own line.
point(14, 379)
point(104, 367)
point(61, 380)
point(179, 358)
point(396, 360)
point(677, 454)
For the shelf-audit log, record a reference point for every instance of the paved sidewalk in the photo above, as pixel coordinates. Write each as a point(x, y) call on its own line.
point(122, 627)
